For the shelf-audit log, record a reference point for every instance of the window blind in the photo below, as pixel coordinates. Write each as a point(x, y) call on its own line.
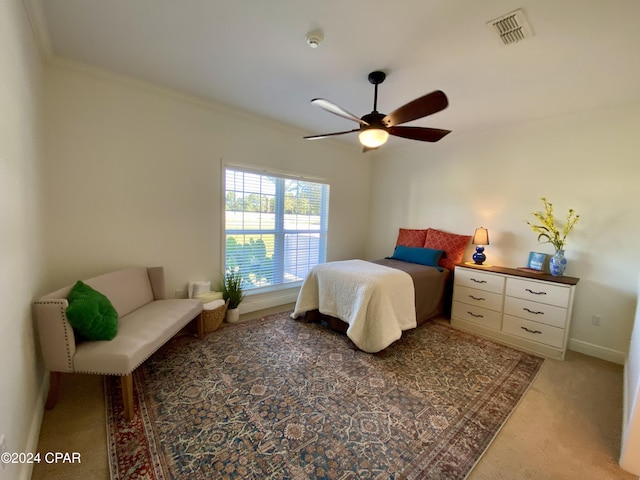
point(275, 226)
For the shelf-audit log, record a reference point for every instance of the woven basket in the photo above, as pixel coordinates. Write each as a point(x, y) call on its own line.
point(213, 318)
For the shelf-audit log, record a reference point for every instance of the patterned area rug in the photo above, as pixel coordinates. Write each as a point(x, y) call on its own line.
point(280, 399)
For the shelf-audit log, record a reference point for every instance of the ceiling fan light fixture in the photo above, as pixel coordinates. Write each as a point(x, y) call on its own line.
point(373, 137)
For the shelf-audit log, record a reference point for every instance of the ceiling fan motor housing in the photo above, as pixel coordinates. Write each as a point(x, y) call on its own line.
point(374, 120)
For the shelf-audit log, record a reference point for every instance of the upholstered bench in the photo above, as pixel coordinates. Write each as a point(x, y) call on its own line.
point(146, 321)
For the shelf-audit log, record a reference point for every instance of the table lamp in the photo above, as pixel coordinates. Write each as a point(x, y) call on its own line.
point(480, 239)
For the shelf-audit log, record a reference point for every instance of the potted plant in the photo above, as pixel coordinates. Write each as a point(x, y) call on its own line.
point(232, 291)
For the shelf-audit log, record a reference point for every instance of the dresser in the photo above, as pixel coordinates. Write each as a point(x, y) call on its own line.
point(528, 311)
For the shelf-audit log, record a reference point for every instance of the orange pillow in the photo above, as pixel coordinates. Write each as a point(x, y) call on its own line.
point(453, 245)
point(411, 237)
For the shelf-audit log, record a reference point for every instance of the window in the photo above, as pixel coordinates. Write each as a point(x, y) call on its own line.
point(275, 226)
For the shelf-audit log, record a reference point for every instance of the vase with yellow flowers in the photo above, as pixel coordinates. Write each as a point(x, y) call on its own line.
point(549, 231)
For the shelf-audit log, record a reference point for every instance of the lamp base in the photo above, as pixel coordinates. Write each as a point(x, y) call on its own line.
point(479, 257)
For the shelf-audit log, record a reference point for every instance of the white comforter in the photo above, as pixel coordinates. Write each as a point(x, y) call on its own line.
point(376, 301)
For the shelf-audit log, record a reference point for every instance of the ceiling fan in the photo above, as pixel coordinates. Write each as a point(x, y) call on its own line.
point(376, 127)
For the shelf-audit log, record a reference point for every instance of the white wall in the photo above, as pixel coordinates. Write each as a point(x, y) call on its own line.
point(495, 178)
point(20, 220)
point(133, 177)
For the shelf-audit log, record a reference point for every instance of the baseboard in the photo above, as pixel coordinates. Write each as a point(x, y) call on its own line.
point(26, 471)
point(626, 414)
point(630, 427)
point(597, 351)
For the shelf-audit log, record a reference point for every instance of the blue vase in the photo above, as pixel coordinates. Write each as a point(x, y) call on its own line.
point(557, 263)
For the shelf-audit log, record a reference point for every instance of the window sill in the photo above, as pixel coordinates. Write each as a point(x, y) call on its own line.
point(268, 297)
point(274, 288)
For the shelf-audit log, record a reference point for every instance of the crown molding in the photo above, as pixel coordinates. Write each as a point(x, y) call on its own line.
point(38, 22)
point(58, 62)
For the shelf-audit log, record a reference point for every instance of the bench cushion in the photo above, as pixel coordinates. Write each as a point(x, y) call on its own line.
point(140, 334)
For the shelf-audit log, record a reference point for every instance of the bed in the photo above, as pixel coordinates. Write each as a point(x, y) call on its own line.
point(374, 302)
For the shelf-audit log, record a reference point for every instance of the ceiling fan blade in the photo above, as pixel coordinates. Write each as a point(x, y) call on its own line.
point(420, 107)
point(418, 133)
point(325, 135)
point(336, 110)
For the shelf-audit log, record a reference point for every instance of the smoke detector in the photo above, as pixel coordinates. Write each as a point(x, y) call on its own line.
point(512, 27)
point(314, 38)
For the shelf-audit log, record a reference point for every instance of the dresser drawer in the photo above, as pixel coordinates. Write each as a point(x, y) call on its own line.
point(487, 318)
point(543, 292)
point(480, 298)
point(535, 331)
point(534, 311)
point(481, 280)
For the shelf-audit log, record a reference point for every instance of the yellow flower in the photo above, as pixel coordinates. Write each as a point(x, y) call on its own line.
point(547, 228)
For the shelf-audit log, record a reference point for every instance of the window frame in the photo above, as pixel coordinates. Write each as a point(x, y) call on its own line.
point(279, 231)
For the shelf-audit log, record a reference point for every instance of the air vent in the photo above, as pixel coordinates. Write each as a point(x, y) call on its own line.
point(512, 27)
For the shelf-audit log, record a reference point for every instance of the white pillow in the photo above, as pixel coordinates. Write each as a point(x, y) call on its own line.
point(197, 288)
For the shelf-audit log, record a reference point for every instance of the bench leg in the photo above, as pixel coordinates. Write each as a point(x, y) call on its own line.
point(55, 379)
point(200, 322)
point(127, 395)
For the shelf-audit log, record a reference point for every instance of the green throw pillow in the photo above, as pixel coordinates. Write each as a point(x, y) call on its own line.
point(91, 314)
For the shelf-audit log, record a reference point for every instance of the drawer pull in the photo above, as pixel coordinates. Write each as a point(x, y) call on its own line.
point(478, 281)
point(531, 331)
point(474, 315)
point(531, 311)
point(535, 293)
point(479, 299)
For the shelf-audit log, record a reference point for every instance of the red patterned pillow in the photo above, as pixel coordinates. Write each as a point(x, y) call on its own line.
point(411, 238)
point(453, 245)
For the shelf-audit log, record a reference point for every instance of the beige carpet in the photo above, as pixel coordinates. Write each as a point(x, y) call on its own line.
point(566, 427)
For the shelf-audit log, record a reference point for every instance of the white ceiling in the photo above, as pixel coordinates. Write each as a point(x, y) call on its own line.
point(252, 54)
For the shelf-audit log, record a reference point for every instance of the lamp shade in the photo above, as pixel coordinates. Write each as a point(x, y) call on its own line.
point(373, 137)
point(480, 237)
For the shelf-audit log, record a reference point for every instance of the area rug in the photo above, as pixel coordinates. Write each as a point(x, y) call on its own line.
point(280, 399)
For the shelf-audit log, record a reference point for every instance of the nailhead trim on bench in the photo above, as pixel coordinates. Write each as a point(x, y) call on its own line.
point(65, 321)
